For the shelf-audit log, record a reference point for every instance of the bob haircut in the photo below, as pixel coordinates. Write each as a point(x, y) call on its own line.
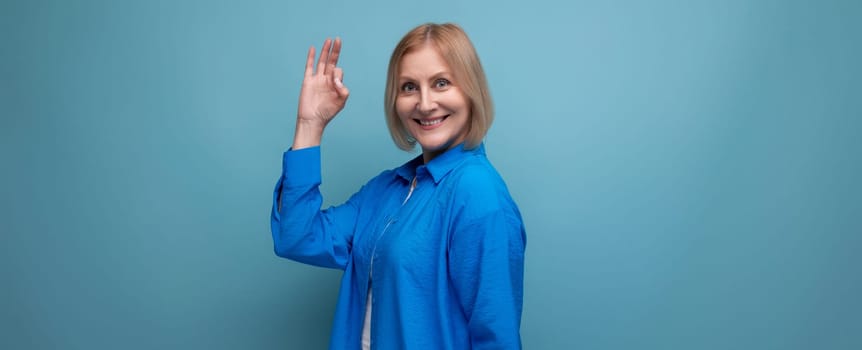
point(452, 43)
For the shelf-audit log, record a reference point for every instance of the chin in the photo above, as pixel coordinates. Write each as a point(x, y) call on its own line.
point(436, 146)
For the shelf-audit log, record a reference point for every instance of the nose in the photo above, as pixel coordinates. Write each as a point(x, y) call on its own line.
point(427, 102)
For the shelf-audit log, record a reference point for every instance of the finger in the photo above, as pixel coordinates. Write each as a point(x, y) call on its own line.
point(338, 73)
point(324, 56)
point(333, 56)
point(309, 62)
point(342, 90)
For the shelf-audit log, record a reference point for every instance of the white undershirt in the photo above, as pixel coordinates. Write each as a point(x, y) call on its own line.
point(366, 327)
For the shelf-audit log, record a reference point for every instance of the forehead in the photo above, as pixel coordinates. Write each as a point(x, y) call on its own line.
point(422, 61)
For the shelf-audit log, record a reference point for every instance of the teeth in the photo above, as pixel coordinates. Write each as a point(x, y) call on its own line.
point(430, 122)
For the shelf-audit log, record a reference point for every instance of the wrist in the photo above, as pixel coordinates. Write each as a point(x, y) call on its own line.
point(308, 134)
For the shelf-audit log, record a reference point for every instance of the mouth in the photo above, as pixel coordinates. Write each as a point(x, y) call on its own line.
point(431, 122)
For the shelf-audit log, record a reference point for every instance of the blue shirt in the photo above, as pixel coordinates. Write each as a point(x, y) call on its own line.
point(447, 264)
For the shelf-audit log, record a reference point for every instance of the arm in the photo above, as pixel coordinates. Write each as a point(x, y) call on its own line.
point(300, 230)
point(486, 263)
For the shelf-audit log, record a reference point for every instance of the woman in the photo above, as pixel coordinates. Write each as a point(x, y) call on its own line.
point(433, 250)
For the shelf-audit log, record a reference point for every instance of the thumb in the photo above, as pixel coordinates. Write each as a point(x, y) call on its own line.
point(338, 74)
point(343, 91)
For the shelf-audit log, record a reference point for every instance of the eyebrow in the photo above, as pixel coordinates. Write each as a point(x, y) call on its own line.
point(433, 76)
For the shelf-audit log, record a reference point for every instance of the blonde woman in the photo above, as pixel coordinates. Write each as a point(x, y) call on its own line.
point(433, 250)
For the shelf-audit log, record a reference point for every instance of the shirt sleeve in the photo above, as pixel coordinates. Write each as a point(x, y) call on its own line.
point(301, 231)
point(486, 263)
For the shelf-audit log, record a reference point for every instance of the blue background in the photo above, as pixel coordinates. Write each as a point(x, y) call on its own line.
point(688, 171)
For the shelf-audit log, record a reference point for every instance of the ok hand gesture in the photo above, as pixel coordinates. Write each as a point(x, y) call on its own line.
point(323, 93)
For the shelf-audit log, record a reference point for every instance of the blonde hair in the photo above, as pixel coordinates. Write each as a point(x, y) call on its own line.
point(456, 49)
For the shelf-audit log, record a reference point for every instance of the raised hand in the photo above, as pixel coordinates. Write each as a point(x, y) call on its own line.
point(323, 93)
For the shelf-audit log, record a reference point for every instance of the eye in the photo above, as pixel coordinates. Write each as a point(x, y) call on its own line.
point(408, 87)
point(441, 83)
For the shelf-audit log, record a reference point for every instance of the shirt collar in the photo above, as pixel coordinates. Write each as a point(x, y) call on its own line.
point(441, 165)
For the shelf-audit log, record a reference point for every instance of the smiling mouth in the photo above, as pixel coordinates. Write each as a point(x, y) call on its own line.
point(431, 122)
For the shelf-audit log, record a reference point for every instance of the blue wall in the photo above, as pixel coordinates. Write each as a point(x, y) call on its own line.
point(688, 170)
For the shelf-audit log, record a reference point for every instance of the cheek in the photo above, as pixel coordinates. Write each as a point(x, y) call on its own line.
point(456, 100)
point(403, 108)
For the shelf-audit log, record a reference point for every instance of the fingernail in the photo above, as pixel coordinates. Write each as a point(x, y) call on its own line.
point(338, 82)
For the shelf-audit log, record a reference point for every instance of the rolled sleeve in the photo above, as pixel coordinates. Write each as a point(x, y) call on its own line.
point(301, 167)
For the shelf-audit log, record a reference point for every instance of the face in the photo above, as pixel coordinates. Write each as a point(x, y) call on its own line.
point(430, 104)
